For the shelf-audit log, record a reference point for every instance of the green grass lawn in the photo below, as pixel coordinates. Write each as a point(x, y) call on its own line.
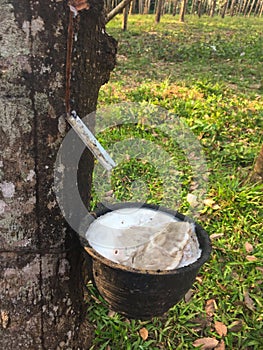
point(207, 72)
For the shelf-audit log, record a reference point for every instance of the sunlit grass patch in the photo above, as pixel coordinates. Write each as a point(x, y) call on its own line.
point(208, 73)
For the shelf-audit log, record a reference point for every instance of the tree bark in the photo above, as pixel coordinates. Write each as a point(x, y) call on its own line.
point(147, 5)
point(200, 8)
point(232, 7)
point(182, 10)
point(141, 6)
point(239, 6)
point(257, 8)
point(193, 7)
point(108, 5)
point(224, 7)
point(251, 8)
point(261, 9)
point(41, 287)
point(213, 8)
point(126, 12)
point(132, 7)
point(174, 7)
point(159, 7)
point(244, 6)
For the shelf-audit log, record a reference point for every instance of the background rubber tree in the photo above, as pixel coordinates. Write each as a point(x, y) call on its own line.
point(182, 10)
point(159, 8)
point(41, 288)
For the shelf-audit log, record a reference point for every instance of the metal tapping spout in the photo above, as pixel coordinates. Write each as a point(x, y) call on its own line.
point(90, 141)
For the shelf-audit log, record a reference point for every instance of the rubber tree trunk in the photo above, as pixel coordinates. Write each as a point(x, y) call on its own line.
point(251, 8)
point(146, 9)
point(232, 8)
point(224, 7)
point(213, 8)
point(200, 8)
point(182, 10)
point(256, 8)
point(159, 8)
point(126, 12)
point(41, 296)
point(175, 2)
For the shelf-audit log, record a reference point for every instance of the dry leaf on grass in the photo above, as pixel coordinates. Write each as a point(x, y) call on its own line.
point(216, 235)
point(200, 323)
point(188, 296)
point(220, 328)
point(249, 302)
point(251, 258)
point(236, 326)
point(209, 202)
point(199, 279)
point(220, 346)
point(259, 269)
point(192, 200)
point(249, 247)
point(206, 343)
point(210, 307)
point(111, 313)
point(143, 333)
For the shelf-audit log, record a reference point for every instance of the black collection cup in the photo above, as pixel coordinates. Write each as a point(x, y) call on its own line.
point(143, 294)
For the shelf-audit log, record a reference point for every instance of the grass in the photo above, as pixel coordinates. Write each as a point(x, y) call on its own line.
point(207, 73)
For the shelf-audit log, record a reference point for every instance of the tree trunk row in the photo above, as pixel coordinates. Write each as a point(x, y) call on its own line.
point(199, 7)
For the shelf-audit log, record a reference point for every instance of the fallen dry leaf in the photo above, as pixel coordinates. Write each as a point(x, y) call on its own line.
point(210, 307)
point(200, 323)
point(209, 202)
point(221, 345)
point(249, 302)
point(192, 200)
point(236, 326)
point(109, 193)
point(259, 268)
point(206, 343)
point(249, 247)
point(199, 279)
point(216, 235)
point(4, 318)
point(251, 258)
point(194, 185)
point(143, 333)
point(188, 296)
point(111, 313)
point(221, 286)
point(221, 328)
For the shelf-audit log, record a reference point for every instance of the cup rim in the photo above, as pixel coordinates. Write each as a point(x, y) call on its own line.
point(202, 236)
